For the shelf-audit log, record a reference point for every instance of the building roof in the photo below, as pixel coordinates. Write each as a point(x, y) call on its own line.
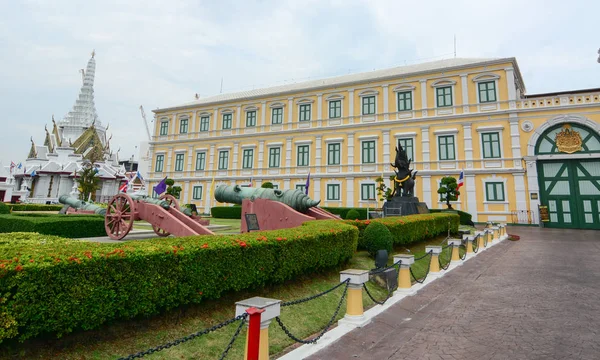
point(566, 92)
point(345, 80)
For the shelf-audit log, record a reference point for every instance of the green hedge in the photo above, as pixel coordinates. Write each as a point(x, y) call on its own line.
point(465, 217)
point(69, 226)
point(412, 228)
point(51, 285)
point(4, 209)
point(226, 212)
point(343, 211)
point(35, 207)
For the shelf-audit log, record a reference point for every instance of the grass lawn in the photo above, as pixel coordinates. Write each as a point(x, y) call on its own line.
point(234, 225)
point(125, 337)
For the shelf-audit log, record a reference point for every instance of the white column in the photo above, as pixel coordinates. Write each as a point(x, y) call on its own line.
point(207, 200)
point(318, 153)
point(319, 109)
point(350, 155)
point(286, 184)
point(426, 179)
point(216, 120)
point(465, 92)
point(211, 162)
point(290, 113)
point(532, 183)
point(423, 97)
point(193, 124)
point(515, 140)
point(169, 157)
point(288, 155)
point(471, 189)
point(261, 156)
point(512, 88)
point(351, 106)
point(263, 113)
point(316, 189)
point(468, 142)
point(425, 145)
point(185, 191)
point(237, 119)
point(174, 125)
point(386, 150)
point(520, 193)
point(234, 169)
point(386, 104)
point(350, 192)
point(190, 166)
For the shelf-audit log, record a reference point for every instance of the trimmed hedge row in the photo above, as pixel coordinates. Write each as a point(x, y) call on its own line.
point(226, 212)
point(51, 285)
point(343, 211)
point(69, 226)
point(465, 217)
point(35, 207)
point(412, 228)
point(4, 209)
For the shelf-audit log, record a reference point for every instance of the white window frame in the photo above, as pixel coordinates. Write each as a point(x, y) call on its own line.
point(200, 116)
point(333, 183)
point(269, 147)
point(182, 162)
point(298, 145)
point(162, 164)
point(187, 118)
point(446, 110)
point(367, 201)
point(494, 179)
point(243, 158)
point(305, 102)
point(335, 97)
point(219, 159)
point(368, 93)
point(276, 105)
point(194, 192)
point(196, 160)
point(491, 162)
point(485, 77)
point(163, 120)
point(402, 114)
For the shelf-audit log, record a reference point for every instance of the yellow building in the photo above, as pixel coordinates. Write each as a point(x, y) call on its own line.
point(450, 115)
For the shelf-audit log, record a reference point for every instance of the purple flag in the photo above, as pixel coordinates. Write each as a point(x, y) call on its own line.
point(307, 183)
point(161, 186)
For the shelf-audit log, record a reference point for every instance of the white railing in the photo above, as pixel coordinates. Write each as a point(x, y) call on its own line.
point(44, 200)
point(559, 100)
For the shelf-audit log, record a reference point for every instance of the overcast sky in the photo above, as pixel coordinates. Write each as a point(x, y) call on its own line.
point(160, 53)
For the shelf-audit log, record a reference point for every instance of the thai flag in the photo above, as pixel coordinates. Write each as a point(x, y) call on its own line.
point(461, 179)
point(12, 165)
point(123, 187)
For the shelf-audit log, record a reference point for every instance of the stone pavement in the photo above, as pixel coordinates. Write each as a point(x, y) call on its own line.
point(537, 298)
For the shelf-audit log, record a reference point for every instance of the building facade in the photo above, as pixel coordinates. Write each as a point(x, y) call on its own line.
point(450, 115)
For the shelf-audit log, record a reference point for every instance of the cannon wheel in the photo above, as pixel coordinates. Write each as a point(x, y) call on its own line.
point(172, 202)
point(119, 216)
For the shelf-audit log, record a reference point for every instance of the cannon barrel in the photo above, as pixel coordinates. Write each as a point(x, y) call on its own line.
point(162, 203)
point(81, 205)
point(235, 194)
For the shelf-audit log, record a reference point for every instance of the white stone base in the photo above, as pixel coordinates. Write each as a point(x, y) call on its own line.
point(354, 321)
point(405, 292)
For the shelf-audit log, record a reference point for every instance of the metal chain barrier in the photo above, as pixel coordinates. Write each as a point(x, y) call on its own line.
point(464, 255)
point(485, 240)
point(440, 258)
point(475, 245)
point(314, 340)
point(378, 302)
point(380, 270)
point(430, 254)
point(312, 297)
point(235, 336)
point(242, 317)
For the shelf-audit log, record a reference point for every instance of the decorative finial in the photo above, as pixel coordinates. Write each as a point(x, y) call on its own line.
point(53, 119)
point(31, 139)
point(46, 127)
point(197, 96)
point(93, 53)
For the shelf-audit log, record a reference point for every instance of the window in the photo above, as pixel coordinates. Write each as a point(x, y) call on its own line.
point(407, 145)
point(204, 123)
point(368, 105)
point(305, 112)
point(494, 191)
point(183, 126)
point(444, 96)
point(248, 159)
point(333, 191)
point(200, 160)
point(487, 91)
point(368, 152)
point(446, 147)
point(277, 116)
point(179, 162)
point(227, 121)
point(303, 155)
point(274, 157)
point(197, 193)
point(301, 187)
point(275, 186)
point(335, 109)
point(367, 191)
point(160, 160)
point(223, 159)
point(333, 154)
point(491, 145)
point(251, 118)
point(164, 128)
point(405, 101)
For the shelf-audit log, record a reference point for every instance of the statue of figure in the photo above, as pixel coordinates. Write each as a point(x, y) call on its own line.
point(405, 178)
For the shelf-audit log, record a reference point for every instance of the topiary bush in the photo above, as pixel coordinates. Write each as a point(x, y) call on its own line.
point(343, 211)
point(352, 215)
point(226, 212)
point(376, 236)
point(69, 226)
point(51, 285)
point(465, 217)
point(4, 209)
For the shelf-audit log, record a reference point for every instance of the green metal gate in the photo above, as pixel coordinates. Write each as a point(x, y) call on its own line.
point(571, 190)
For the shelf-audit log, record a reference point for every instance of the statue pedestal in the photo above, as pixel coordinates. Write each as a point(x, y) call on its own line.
point(404, 205)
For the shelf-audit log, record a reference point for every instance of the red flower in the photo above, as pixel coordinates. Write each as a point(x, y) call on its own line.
point(367, 222)
point(279, 239)
point(30, 260)
point(242, 244)
point(205, 246)
point(2, 266)
point(19, 268)
point(199, 292)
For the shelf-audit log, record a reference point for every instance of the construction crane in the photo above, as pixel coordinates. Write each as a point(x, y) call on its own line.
point(145, 123)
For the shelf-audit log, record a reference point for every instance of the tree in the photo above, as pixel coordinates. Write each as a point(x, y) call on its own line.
point(384, 192)
point(89, 181)
point(173, 190)
point(267, 185)
point(449, 187)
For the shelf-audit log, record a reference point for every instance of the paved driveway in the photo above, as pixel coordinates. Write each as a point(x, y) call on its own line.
point(537, 298)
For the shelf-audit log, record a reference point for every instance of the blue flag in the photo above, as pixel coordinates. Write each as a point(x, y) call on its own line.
point(33, 173)
point(161, 187)
point(139, 176)
point(307, 183)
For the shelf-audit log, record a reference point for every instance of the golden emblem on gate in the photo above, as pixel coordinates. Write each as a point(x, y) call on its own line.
point(568, 140)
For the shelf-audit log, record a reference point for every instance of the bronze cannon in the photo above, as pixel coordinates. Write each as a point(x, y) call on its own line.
point(81, 205)
point(295, 199)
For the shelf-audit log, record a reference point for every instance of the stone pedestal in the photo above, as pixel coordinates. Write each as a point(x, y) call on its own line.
point(404, 205)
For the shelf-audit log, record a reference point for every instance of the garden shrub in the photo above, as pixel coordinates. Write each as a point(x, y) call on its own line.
point(4, 209)
point(69, 226)
point(35, 207)
point(412, 228)
point(465, 217)
point(352, 215)
point(51, 285)
point(377, 237)
point(343, 211)
point(226, 212)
